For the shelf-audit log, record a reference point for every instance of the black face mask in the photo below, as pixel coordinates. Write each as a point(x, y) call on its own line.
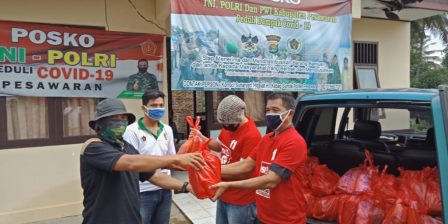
point(231, 127)
point(142, 70)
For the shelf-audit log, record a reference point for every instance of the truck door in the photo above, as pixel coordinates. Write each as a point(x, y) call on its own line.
point(440, 116)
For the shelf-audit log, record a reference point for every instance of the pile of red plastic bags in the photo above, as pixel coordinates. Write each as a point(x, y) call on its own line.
point(366, 195)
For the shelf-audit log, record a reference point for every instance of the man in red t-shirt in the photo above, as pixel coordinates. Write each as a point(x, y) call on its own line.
point(238, 137)
point(279, 161)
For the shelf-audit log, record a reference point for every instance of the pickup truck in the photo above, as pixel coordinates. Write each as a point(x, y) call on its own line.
point(404, 128)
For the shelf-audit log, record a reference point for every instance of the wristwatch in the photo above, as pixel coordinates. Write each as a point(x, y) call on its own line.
point(184, 188)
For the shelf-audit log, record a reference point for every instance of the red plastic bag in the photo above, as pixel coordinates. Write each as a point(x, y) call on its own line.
point(310, 200)
point(322, 180)
point(363, 209)
point(347, 207)
point(369, 211)
point(398, 214)
point(208, 175)
point(310, 163)
point(413, 216)
point(426, 219)
point(421, 189)
point(402, 213)
point(193, 144)
point(386, 189)
point(433, 199)
point(386, 185)
point(326, 208)
point(360, 179)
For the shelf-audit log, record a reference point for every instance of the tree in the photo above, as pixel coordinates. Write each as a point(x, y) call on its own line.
point(427, 70)
point(430, 79)
point(420, 33)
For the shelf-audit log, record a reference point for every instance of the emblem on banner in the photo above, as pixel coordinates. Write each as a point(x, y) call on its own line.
point(249, 45)
point(149, 48)
point(294, 46)
point(273, 41)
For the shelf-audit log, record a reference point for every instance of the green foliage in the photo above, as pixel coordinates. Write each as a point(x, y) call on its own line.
point(430, 78)
point(428, 71)
point(420, 126)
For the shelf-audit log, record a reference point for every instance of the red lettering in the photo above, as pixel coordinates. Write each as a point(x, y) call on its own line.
point(66, 72)
point(40, 72)
point(83, 74)
point(55, 73)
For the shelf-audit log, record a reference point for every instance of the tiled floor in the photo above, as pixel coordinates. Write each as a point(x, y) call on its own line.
point(198, 211)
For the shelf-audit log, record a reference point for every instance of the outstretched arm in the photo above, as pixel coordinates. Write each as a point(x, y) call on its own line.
point(270, 180)
point(146, 163)
point(238, 169)
point(167, 182)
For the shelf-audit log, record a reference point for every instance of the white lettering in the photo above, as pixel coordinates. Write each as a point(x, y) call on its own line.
point(53, 38)
point(16, 33)
point(86, 40)
point(294, 2)
point(37, 33)
point(233, 144)
point(274, 153)
point(69, 39)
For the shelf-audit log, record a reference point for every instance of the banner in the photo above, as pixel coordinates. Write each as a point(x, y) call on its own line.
point(59, 61)
point(261, 45)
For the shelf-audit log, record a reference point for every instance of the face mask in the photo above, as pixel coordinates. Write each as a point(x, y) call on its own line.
point(274, 121)
point(231, 127)
point(113, 129)
point(142, 70)
point(155, 113)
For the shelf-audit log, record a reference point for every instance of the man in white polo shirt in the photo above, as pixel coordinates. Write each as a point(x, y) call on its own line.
point(152, 137)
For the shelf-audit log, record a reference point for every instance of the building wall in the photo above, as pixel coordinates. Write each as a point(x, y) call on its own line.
point(44, 182)
point(182, 107)
point(393, 49)
point(356, 9)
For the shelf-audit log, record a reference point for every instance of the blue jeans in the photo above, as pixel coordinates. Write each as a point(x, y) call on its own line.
point(235, 214)
point(155, 206)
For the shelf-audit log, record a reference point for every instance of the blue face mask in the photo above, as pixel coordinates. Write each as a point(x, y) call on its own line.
point(155, 113)
point(274, 121)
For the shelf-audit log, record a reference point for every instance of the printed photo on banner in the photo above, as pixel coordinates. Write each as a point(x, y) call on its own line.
point(261, 45)
point(55, 61)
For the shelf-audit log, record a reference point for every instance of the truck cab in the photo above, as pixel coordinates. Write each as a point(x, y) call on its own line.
point(401, 128)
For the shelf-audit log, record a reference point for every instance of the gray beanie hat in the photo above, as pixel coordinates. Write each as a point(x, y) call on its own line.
point(231, 110)
point(110, 107)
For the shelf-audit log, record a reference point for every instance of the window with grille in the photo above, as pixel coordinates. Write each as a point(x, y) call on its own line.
point(365, 53)
point(365, 56)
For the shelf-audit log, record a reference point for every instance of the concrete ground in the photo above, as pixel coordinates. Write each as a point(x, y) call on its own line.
point(198, 211)
point(185, 209)
point(177, 217)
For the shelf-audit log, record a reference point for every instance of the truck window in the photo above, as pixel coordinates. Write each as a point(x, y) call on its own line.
point(391, 119)
point(325, 126)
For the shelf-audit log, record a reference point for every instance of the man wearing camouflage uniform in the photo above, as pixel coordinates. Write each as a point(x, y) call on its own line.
point(143, 80)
